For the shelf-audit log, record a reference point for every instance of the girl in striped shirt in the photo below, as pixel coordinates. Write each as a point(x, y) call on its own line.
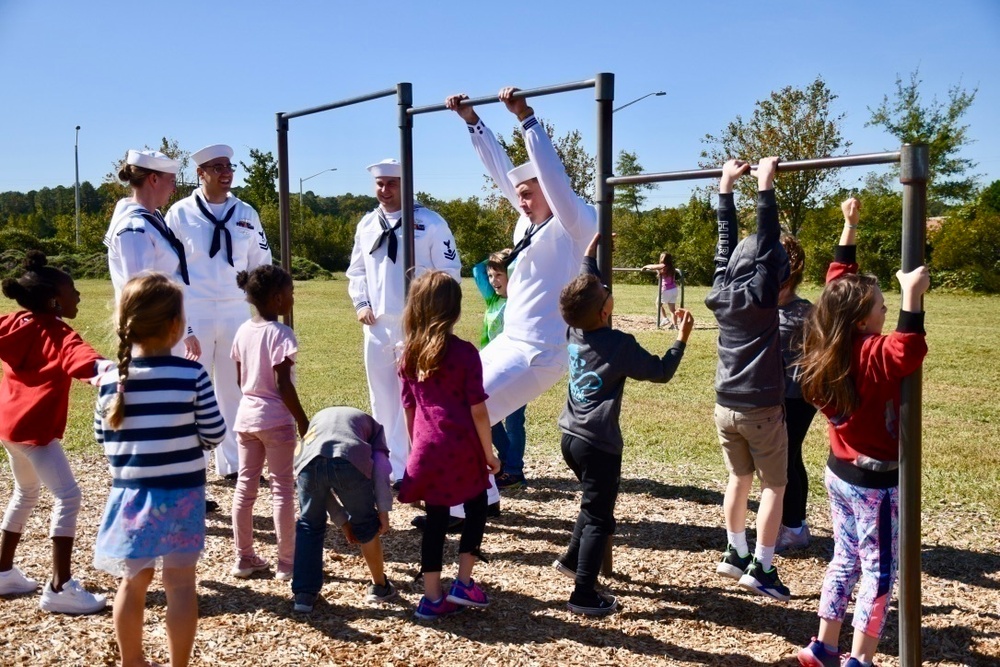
point(155, 415)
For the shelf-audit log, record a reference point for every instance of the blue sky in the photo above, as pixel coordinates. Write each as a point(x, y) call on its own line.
point(204, 72)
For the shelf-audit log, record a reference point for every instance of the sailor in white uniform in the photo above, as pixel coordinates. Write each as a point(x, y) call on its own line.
point(138, 237)
point(376, 289)
point(222, 236)
point(550, 239)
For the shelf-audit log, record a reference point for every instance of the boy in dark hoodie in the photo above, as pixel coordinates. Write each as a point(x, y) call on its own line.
point(749, 378)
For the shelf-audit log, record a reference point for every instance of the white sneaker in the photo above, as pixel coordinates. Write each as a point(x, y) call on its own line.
point(13, 582)
point(72, 599)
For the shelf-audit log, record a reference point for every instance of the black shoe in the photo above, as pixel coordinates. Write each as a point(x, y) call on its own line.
point(231, 477)
point(455, 523)
point(595, 604)
point(764, 582)
point(264, 484)
point(493, 510)
point(395, 485)
point(211, 506)
point(507, 482)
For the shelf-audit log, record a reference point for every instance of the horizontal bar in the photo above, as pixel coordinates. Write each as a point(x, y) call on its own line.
point(793, 165)
point(493, 99)
point(342, 103)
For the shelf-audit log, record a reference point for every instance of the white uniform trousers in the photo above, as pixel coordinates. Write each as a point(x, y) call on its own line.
point(383, 343)
point(215, 324)
point(514, 374)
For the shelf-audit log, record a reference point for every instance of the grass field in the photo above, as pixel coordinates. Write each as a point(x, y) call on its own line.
point(675, 609)
point(669, 424)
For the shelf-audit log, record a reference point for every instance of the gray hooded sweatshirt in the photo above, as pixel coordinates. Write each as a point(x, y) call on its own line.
point(744, 300)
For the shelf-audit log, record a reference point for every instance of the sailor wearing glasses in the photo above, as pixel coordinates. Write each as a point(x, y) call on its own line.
point(376, 289)
point(222, 236)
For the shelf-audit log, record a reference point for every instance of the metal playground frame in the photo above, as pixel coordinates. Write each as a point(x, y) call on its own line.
point(914, 169)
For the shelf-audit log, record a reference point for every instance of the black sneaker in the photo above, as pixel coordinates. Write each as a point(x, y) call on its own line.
point(381, 592)
point(764, 582)
point(304, 603)
point(493, 509)
point(455, 523)
point(211, 506)
point(732, 564)
point(563, 569)
point(595, 604)
point(507, 482)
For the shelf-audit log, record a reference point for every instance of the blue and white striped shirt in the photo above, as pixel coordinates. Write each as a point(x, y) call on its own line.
point(170, 411)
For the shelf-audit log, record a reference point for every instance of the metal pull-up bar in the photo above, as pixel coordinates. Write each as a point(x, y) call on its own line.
point(284, 211)
point(603, 85)
point(792, 165)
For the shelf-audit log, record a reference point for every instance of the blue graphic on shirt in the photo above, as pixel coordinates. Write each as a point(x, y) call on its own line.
point(582, 384)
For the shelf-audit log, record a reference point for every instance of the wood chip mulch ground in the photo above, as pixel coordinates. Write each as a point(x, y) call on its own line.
point(675, 609)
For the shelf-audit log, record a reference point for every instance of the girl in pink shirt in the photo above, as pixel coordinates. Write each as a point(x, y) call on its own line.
point(266, 421)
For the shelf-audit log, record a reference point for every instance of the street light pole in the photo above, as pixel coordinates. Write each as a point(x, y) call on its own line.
point(76, 159)
point(639, 99)
point(303, 180)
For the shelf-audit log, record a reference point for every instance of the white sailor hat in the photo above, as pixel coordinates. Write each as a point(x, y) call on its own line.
point(388, 168)
point(210, 153)
point(152, 160)
point(519, 175)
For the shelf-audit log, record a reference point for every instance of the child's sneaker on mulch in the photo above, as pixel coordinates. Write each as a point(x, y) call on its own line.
point(247, 565)
point(429, 611)
point(816, 654)
point(468, 595)
point(788, 539)
point(764, 582)
point(381, 592)
point(563, 569)
point(732, 564)
point(595, 604)
point(304, 603)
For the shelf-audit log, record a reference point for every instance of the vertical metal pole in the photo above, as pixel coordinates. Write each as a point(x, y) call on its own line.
point(76, 160)
point(404, 98)
point(604, 194)
point(914, 169)
point(284, 212)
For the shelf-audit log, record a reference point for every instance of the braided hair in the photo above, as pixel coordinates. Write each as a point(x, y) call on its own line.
point(37, 288)
point(149, 305)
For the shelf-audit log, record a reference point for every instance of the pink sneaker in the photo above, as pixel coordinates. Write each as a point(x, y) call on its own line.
point(429, 611)
point(247, 565)
point(468, 596)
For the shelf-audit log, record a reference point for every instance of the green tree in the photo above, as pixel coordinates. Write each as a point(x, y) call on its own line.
point(938, 125)
point(794, 124)
point(696, 247)
point(259, 189)
point(631, 197)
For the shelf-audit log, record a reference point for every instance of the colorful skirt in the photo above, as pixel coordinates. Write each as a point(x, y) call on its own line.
point(150, 528)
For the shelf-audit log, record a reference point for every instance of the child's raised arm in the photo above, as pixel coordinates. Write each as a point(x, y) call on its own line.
point(766, 169)
point(852, 213)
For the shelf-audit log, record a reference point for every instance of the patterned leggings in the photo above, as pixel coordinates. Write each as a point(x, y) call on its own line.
point(866, 541)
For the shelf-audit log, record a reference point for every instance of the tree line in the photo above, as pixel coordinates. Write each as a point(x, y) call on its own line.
point(793, 123)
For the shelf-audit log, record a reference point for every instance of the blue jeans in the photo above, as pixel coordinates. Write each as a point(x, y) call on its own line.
point(315, 482)
point(509, 439)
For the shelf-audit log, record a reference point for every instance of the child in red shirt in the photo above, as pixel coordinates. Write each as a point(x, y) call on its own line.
point(41, 354)
point(852, 373)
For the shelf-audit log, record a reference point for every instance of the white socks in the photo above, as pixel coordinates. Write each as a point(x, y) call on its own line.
point(765, 555)
point(739, 542)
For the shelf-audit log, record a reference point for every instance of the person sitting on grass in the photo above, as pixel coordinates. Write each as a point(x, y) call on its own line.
point(508, 434)
point(600, 360)
point(342, 465)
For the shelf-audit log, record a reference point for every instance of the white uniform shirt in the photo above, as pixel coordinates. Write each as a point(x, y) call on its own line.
point(212, 278)
point(134, 246)
point(553, 257)
point(376, 281)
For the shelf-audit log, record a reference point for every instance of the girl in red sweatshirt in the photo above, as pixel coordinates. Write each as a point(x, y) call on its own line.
point(852, 373)
point(40, 355)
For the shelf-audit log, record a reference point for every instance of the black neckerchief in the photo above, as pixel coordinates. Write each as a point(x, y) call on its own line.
point(525, 241)
point(388, 232)
point(158, 223)
point(220, 226)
